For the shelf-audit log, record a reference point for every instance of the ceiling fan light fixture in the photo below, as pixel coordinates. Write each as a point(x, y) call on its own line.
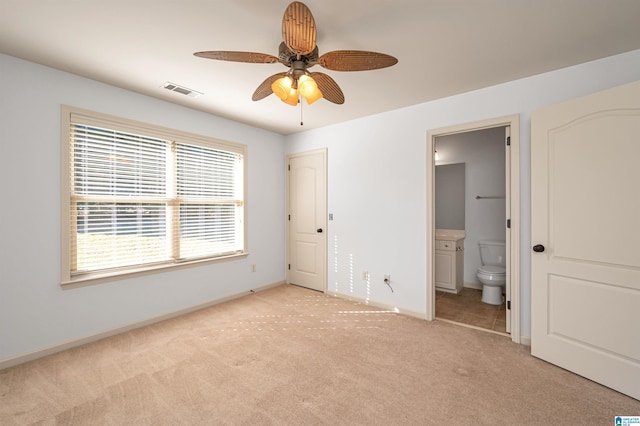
point(292, 98)
point(309, 89)
point(282, 87)
point(298, 51)
point(314, 97)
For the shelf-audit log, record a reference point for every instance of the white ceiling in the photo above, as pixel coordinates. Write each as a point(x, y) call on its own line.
point(444, 47)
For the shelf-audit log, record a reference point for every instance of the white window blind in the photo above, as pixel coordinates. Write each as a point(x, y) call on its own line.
point(141, 200)
point(210, 202)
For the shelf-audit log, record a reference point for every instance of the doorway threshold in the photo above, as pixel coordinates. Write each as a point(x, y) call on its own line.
point(499, 333)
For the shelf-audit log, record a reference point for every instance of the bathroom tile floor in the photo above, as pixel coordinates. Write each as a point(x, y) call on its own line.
point(466, 307)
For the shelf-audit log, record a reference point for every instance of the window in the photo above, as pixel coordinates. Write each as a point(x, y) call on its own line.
point(137, 197)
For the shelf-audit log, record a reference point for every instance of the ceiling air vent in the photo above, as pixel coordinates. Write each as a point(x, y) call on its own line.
point(181, 89)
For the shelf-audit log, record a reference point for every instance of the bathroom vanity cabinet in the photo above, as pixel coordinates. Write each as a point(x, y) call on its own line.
point(449, 262)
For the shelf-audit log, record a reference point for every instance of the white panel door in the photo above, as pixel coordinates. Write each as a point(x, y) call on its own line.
point(585, 262)
point(307, 220)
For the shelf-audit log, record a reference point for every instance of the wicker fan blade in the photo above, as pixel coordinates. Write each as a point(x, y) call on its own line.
point(299, 29)
point(355, 60)
point(264, 89)
point(329, 88)
point(251, 57)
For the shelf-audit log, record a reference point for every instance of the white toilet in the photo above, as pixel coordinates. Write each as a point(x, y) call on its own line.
point(492, 274)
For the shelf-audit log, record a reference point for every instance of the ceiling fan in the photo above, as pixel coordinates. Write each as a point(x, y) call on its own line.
point(299, 51)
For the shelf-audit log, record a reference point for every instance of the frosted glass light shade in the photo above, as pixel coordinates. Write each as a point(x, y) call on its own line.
point(292, 97)
point(314, 96)
point(309, 89)
point(306, 85)
point(282, 87)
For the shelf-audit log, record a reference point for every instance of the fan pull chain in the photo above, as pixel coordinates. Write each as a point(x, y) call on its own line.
point(301, 122)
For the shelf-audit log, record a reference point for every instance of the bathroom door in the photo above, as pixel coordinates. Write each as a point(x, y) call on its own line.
point(585, 258)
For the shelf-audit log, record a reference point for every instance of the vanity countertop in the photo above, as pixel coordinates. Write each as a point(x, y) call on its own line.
point(450, 234)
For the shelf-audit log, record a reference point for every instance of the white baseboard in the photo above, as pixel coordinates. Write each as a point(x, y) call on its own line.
point(408, 312)
point(21, 359)
point(469, 284)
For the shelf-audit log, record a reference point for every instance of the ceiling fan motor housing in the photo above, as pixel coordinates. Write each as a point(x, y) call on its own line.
point(298, 68)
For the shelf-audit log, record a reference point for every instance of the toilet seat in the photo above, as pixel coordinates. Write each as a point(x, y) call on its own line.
point(492, 270)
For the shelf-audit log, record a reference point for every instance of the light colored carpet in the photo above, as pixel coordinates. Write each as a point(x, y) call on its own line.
point(291, 356)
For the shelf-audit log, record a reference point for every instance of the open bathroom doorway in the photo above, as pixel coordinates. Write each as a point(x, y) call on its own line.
point(491, 212)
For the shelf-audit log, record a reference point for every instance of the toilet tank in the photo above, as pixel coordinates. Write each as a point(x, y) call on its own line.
point(492, 252)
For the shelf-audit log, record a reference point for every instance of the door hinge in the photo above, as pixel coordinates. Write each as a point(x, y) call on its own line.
point(509, 223)
point(289, 167)
point(508, 140)
point(289, 217)
point(289, 266)
point(509, 304)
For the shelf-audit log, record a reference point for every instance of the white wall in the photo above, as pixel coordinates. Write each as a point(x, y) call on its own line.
point(377, 179)
point(377, 192)
point(483, 152)
point(35, 313)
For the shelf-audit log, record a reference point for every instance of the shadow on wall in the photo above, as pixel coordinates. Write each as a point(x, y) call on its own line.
point(450, 196)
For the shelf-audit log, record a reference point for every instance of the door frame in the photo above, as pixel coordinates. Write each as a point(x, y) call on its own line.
point(288, 158)
point(512, 198)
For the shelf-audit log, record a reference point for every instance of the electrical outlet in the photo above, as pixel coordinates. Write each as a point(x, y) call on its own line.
point(387, 279)
point(365, 275)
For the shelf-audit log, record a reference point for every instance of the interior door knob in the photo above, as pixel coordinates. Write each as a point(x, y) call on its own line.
point(319, 230)
point(538, 248)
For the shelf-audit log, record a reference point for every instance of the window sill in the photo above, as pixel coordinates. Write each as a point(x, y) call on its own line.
point(98, 278)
